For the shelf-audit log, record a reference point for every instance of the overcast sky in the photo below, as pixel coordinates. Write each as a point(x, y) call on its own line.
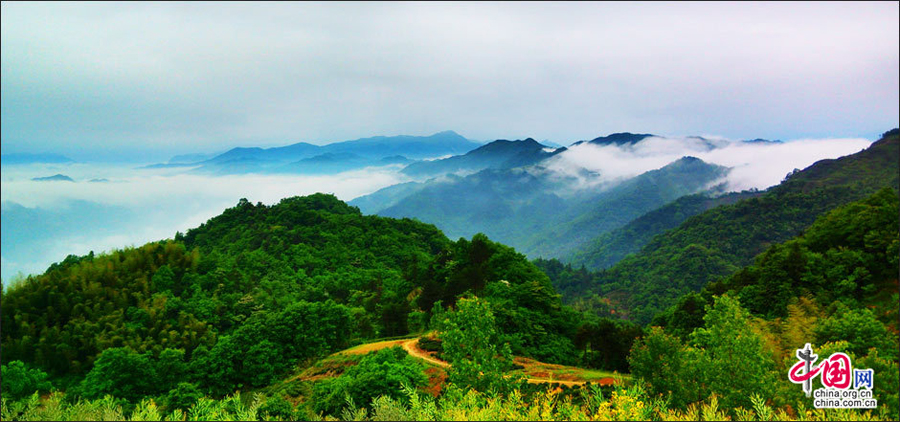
point(102, 80)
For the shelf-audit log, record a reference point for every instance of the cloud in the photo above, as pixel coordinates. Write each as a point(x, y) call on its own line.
point(754, 165)
point(96, 80)
point(127, 187)
point(137, 206)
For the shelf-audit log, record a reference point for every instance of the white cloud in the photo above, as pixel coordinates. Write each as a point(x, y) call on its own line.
point(86, 79)
point(133, 188)
point(156, 204)
point(755, 165)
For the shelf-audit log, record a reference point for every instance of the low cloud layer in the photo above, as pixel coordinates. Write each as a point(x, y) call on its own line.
point(137, 206)
point(754, 165)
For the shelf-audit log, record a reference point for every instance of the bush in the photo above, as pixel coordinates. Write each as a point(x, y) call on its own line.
point(183, 396)
point(278, 407)
point(381, 373)
point(120, 372)
point(19, 381)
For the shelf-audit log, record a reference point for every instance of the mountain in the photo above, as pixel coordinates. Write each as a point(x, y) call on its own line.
point(415, 147)
point(327, 163)
point(287, 153)
point(54, 178)
point(23, 158)
point(395, 159)
point(387, 197)
point(719, 241)
point(626, 201)
point(307, 158)
point(609, 248)
point(762, 141)
point(812, 269)
point(618, 139)
point(500, 154)
point(535, 210)
point(191, 158)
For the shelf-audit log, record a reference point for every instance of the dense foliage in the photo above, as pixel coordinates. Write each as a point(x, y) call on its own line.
point(622, 403)
point(835, 287)
point(17, 380)
point(252, 292)
point(382, 373)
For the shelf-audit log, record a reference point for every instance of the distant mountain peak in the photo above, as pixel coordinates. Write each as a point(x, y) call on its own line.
point(619, 138)
point(762, 141)
point(447, 133)
point(54, 178)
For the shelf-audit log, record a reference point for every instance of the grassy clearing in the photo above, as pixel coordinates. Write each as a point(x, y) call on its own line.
point(569, 374)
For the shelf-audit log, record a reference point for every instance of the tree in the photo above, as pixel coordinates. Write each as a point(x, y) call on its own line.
point(183, 396)
point(120, 372)
point(170, 368)
point(472, 345)
point(734, 363)
point(19, 381)
point(163, 279)
point(666, 366)
point(860, 329)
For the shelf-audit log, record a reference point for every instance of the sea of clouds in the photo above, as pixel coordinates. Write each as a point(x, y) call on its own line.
point(45, 221)
point(754, 164)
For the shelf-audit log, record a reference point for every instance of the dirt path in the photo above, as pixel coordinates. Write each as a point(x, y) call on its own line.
point(411, 347)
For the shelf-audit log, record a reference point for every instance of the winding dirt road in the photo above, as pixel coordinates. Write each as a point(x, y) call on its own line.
point(412, 347)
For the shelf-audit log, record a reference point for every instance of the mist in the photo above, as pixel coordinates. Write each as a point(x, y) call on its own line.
point(45, 221)
point(754, 165)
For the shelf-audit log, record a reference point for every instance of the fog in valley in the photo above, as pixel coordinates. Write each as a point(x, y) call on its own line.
point(109, 206)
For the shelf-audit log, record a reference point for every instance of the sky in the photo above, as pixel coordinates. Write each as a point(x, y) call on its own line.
point(135, 81)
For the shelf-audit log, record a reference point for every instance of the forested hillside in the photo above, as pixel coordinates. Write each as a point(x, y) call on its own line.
point(835, 286)
point(609, 248)
point(245, 296)
point(720, 241)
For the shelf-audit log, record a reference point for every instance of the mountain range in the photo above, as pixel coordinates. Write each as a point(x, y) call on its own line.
point(306, 158)
point(510, 191)
point(499, 154)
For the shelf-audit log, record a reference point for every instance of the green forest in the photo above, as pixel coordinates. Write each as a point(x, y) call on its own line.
point(257, 314)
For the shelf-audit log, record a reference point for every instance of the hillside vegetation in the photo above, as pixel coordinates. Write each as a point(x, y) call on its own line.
point(718, 242)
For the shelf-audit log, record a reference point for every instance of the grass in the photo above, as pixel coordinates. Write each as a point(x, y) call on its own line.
point(540, 370)
point(371, 347)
